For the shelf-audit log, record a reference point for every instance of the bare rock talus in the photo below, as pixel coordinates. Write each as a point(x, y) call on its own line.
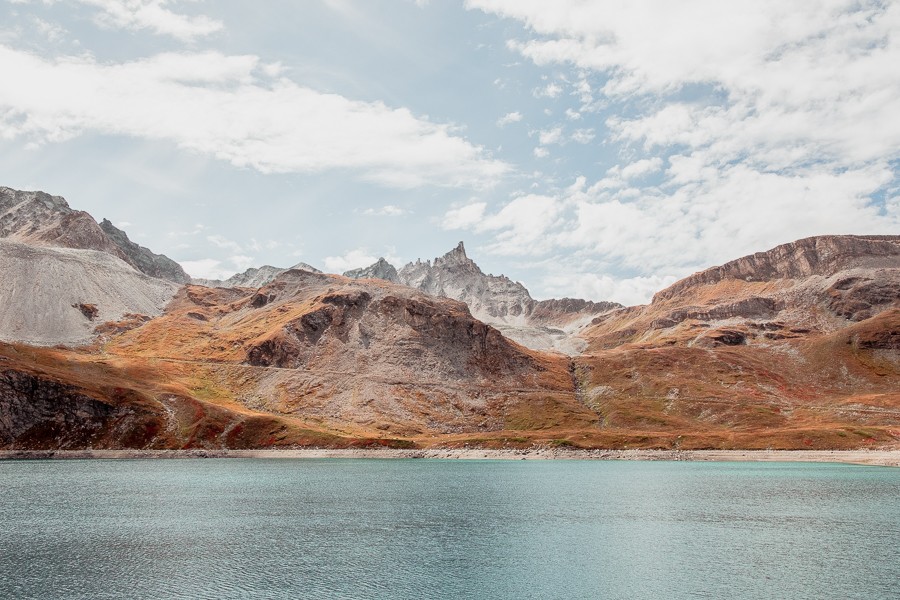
point(59, 295)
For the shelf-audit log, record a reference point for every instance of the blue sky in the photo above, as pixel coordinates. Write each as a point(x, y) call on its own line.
point(590, 149)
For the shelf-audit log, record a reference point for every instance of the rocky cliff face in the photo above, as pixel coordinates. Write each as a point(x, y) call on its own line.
point(823, 256)
point(39, 219)
point(37, 413)
point(144, 260)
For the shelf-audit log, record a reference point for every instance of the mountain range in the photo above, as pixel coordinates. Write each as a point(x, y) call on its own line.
point(106, 344)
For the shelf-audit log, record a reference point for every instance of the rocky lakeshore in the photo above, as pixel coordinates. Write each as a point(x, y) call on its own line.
point(888, 458)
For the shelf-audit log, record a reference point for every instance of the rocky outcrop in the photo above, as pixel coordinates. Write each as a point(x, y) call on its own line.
point(37, 413)
point(455, 275)
point(549, 311)
point(381, 269)
point(144, 260)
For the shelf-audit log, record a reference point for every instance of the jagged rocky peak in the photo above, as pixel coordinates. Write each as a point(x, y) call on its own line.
point(381, 269)
point(457, 256)
point(821, 255)
point(455, 275)
point(146, 261)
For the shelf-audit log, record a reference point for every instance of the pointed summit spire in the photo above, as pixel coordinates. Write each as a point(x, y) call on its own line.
point(457, 253)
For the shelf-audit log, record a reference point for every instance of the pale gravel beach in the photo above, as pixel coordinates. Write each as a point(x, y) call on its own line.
point(888, 458)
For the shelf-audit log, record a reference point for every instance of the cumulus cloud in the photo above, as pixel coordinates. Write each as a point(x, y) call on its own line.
point(465, 217)
point(762, 122)
point(521, 225)
point(388, 210)
point(629, 291)
point(583, 136)
point(550, 136)
point(153, 15)
point(228, 107)
point(512, 117)
point(551, 90)
point(639, 168)
point(353, 259)
point(211, 268)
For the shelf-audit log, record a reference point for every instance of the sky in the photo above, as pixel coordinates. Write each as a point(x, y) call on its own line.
point(593, 149)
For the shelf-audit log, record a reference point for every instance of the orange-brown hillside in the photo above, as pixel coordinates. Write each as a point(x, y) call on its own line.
point(798, 347)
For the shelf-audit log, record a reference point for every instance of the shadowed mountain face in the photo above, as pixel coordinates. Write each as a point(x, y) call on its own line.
point(797, 347)
point(39, 219)
point(142, 259)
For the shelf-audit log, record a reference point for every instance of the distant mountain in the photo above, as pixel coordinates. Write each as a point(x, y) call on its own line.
point(253, 277)
point(498, 300)
point(381, 269)
point(39, 219)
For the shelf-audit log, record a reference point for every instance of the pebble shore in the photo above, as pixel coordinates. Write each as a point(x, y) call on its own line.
point(866, 457)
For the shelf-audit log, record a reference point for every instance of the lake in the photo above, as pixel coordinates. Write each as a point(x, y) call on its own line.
point(344, 528)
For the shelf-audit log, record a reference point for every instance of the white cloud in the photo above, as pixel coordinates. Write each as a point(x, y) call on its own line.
point(642, 167)
point(153, 15)
point(520, 225)
point(388, 210)
point(513, 117)
point(222, 242)
point(767, 121)
point(541, 152)
point(583, 136)
point(655, 234)
point(550, 136)
point(51, 31)
point(211, 268)
point(352, 259)
point(465, 217)
point(227, 107)
point(551, 90)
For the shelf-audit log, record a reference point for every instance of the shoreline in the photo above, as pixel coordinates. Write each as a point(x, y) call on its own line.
point(889, 458)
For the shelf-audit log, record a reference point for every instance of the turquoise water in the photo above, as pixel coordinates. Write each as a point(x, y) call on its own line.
point(338, 528)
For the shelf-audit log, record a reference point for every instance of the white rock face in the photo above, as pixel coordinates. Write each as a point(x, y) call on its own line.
point(46, 293)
